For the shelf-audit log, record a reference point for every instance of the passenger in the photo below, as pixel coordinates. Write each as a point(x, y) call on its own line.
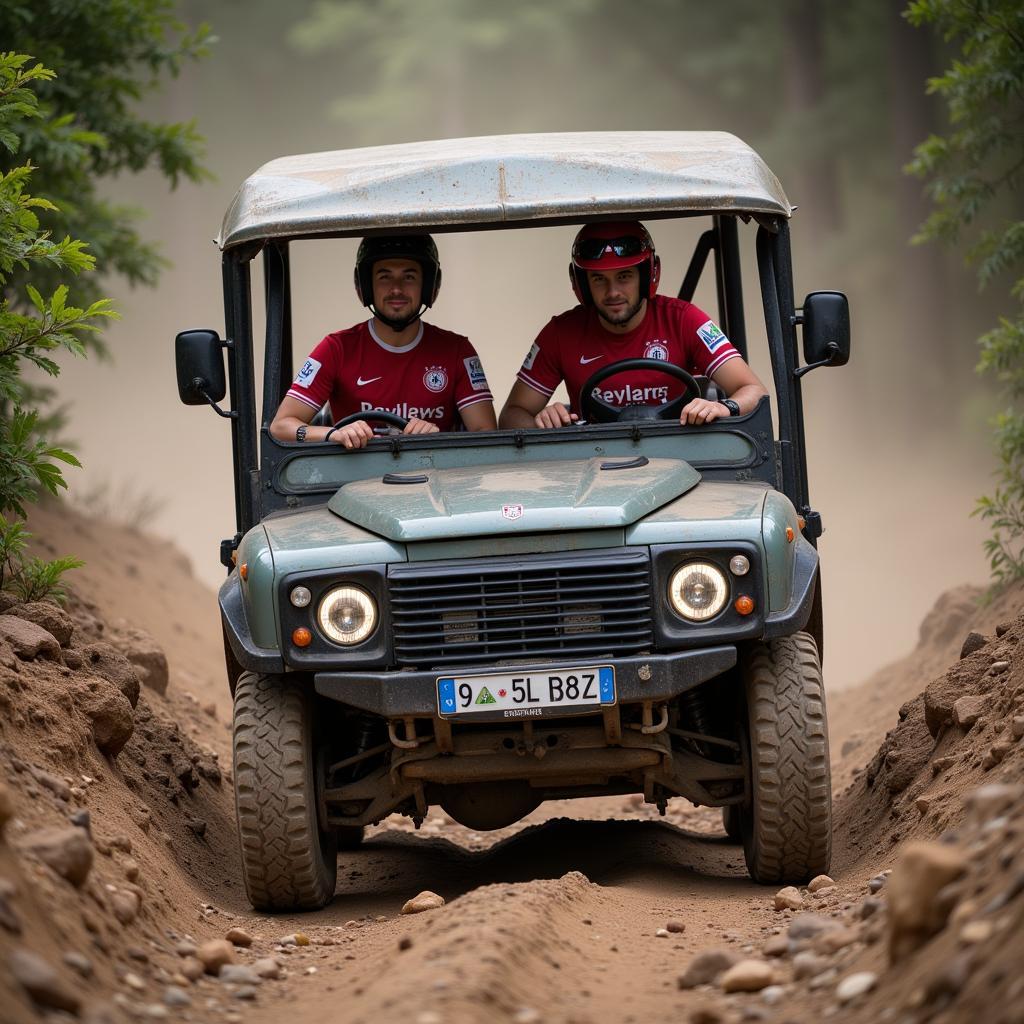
point(393, 362)
point(614, 273)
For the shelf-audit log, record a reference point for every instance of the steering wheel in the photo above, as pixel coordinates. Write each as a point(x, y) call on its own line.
point(390, 418)
point(597, 409)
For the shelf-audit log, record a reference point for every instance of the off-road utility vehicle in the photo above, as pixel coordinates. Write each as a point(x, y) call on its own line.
point(485, 621)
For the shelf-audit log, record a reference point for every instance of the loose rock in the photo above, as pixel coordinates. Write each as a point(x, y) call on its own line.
point(238, 937)
point(41, 981)
point(967, 710)
point(175, 996)
point(808, 965)
point(788, 898)
point(747, 976)
point(50, 617)
point(110, 713)
point(146, 655)
point(192, 968)
point(103, 660)
point(215, 954)
point(267, 967)
point(777, 945)
point(426, 900)
point(67, 850)
point(239, 974)
point(27, 640)
point(914, 912)
point(78, 963)
point(972, 642)
point(819, 882)
point(125, 905)
point(705, 967)
point(976, 931)
point(676, 927)
point(836, 939)
point(807, 926)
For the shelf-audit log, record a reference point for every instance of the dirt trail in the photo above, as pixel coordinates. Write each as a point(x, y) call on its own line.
point(562, 918)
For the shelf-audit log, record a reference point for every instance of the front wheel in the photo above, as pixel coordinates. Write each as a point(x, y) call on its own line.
point(288, 863)
point(787, 823)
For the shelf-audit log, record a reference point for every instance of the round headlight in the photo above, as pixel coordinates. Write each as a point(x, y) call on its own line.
point(698, 591)
point(300, 597)
point(347, 615)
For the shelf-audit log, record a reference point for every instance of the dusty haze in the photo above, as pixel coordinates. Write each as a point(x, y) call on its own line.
point(898, 449)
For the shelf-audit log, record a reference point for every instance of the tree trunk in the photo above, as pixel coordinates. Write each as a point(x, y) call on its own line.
point(817, 178)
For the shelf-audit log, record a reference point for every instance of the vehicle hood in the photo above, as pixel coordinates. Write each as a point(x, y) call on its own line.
point(529, 498)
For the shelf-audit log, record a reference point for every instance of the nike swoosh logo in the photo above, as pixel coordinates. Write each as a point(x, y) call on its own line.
point(360, 382)
point(584, 360)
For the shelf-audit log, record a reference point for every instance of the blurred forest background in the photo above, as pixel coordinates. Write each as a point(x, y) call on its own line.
point(832, 95)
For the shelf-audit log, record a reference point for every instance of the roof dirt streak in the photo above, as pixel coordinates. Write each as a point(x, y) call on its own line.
point(491, 180)
point(585, 912)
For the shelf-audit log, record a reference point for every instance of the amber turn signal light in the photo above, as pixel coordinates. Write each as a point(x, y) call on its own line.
point(302, 637)
point(243, 570)
point(789, 534)
point(744, 605)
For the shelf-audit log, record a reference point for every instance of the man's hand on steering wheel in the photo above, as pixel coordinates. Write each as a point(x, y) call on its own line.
point(354, 431)
point(352, 435)
point(700, 410)
point(418, 426)
point(555, 415)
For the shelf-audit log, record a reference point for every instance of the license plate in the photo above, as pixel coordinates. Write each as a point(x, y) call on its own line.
point(526, 694)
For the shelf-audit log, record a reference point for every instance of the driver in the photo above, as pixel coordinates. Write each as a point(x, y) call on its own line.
point(614, 273)
point(394, 362)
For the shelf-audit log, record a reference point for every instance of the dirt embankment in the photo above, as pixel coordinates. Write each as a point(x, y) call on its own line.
point(118, 859)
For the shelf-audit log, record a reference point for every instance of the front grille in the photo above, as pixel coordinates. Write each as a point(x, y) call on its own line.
point(452, 613)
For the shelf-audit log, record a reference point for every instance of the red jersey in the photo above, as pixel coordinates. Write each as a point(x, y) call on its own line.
point(430, 379)
point(573, 345)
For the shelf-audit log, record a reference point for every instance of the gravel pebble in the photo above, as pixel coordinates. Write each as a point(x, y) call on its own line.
point(855, 985)
point(267, 967)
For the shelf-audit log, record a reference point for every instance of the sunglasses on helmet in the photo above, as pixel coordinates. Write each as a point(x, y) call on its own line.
point(596, 248)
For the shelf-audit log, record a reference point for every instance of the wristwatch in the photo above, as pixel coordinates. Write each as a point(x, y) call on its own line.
point(733, 407)
point(300, 434)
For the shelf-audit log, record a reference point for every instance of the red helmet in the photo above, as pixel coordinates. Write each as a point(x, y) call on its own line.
point(611, 246)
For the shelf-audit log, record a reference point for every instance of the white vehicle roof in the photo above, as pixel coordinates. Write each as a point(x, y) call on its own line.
point(501, 181)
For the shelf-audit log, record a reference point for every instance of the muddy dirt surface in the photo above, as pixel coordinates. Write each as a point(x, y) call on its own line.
point(121, 899)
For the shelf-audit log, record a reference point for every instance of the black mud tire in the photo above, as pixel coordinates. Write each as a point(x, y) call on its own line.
point(288, 863)
point(731, 822)
point(787, 823)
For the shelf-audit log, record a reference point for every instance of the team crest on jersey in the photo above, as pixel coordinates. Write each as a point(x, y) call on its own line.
point(656, 350)
point(475, 372)
point(435, 379)
point(711, 334)
point(308, 373)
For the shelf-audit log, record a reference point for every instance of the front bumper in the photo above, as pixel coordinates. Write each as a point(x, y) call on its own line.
point(655, 677)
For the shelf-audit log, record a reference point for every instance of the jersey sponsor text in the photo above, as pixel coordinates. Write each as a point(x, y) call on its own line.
point(406, 411)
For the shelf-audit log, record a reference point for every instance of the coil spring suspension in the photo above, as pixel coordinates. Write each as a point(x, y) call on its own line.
point(367, 732)
point(700, 714)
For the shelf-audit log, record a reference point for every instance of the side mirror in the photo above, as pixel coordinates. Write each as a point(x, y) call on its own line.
point(199, 363)
point(826, 320)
